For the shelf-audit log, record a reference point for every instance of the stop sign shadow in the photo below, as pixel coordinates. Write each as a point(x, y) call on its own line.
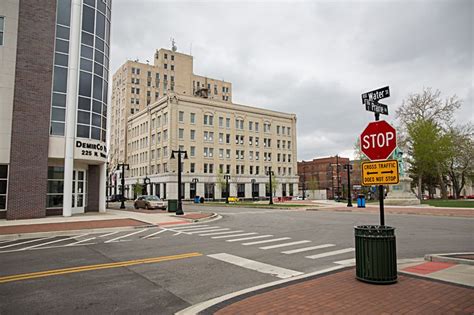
point(378, 140)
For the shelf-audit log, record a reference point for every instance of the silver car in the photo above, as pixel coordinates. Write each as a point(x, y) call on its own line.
point(150, 202)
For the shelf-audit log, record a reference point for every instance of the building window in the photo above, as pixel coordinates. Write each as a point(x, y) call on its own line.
point(181, 116)
point(256, 126)
point(221, 122)
point(55, 192)
point(192, 118)
point(192, 167)
point(3, 186)
point(166, 56)
point(172, 57)
point(208, 120)
point(2, 25)
point(172, 67)
point(192, 151)
point(227, 123)
point(193, 134)
point(181, 133)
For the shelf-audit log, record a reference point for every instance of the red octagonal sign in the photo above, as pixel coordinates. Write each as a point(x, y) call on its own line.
point(378, 140)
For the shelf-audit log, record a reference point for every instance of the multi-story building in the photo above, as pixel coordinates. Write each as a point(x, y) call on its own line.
point(136, 85)
point(328, 174)
point(54, 60)
point(220, 138)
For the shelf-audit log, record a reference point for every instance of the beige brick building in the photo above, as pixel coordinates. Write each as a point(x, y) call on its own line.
point(136, 85)
point(220, 138)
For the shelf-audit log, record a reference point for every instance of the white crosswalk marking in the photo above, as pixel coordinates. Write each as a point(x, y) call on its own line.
point(52, 242)
point(249, 238)
point(305, 249)
point(82, 241)
point(189, 228)
point(124, 236)
point(284, 244)
point(209, 230)
point(26, 242)
point(256, 266)
point(346, 262)
point(220, 233)
point(335, 252)
point(230, 236)
point(153, 234)
point(268, 241)
point(108, 234)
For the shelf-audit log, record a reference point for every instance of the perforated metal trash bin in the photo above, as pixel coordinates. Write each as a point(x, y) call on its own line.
point(376, 254)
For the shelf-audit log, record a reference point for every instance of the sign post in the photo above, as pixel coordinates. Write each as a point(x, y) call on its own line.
point(378, 140)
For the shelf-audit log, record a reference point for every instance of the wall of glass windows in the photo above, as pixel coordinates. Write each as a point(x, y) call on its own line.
point(60, 72)
point(94, 70)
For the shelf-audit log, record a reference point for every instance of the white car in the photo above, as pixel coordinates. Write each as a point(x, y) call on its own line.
point(150, 202)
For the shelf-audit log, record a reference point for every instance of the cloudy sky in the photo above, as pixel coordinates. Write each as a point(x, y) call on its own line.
point(311, 58)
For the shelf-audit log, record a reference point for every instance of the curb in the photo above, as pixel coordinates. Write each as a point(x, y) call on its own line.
point(212, 217)
point(196, 309)
point(445, 258)
point(14, 237)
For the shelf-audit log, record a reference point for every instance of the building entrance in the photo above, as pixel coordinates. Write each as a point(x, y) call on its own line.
point(79, 184)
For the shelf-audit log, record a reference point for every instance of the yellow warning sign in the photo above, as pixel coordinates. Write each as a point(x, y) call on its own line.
point(380, 173)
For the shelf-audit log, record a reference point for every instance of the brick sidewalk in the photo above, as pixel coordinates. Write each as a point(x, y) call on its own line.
point(451, 212)
point(69, 226)
point(341, 293)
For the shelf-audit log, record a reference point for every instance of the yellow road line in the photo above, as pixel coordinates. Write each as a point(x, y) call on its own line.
point(127, 263)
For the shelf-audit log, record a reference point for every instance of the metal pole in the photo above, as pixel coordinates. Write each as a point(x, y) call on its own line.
point(122, 205)
point(179, 210)
point(227, 189)
point(270, 184)
point(349, 194)
point(381, 190)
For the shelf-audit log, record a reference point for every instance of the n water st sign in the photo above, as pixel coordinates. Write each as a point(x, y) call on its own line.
point(380, 173)
point(371, 100)
point(378, 140)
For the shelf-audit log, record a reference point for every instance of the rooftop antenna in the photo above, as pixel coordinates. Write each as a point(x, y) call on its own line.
point(173, 45)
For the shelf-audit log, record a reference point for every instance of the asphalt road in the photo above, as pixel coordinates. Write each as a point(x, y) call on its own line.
point(194, 263)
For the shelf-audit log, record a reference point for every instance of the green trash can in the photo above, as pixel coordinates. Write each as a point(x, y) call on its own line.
point(376, 254)
point(172, 205)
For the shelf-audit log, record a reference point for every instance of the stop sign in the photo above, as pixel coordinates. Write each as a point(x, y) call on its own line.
point(378, 140)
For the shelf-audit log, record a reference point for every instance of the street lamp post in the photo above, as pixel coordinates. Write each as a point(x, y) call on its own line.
point(253, 184)
point(107, 183)
point(195, 181)
point(146, 182)
point(226, 177)
point(124, 166)
point(270, 173)
point(179, 210)
point(349, 194)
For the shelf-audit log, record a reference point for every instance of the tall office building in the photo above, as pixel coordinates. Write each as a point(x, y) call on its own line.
point(54, 57)
point(222, 139)
point(135, 85)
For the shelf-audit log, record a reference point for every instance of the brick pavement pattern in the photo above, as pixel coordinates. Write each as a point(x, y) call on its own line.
point(341, 293)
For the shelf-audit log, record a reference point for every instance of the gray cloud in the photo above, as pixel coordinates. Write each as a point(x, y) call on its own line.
point(311, 58)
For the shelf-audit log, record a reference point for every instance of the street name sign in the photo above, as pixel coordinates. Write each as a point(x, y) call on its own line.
point(376, 107)
point(375, 95)
point(380, 173)
point(378, 140)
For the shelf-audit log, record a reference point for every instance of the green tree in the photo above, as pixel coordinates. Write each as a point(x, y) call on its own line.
point(313, 185)
point(461, 164)
point(275, 183)
point(424, 120)
point(137, 188)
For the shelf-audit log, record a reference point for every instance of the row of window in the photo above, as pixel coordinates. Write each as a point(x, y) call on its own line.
point(208, 168)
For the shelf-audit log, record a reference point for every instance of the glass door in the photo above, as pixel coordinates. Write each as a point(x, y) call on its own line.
point(79, 185)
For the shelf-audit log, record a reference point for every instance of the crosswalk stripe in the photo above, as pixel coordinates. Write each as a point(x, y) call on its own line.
point(305, 249)
point(284, 244)
point(188, 228)
point(220, 233)
point(56, 241)
point(249, 238)
point(279, 272)
point(26, 242)
point(268, 241)
point(336, 252)
point(108, 234)
point(153, 234)
point(211, 230)
point(199, 230)
point(229, 236)
point(82, 241)
point(346, 262)
point(124, 236)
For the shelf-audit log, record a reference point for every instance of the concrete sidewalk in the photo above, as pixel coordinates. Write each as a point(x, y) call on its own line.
point(94, 222)
point(423, 287)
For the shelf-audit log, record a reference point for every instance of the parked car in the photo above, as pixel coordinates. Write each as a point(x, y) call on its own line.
point(150, 202)
point(298, 198)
